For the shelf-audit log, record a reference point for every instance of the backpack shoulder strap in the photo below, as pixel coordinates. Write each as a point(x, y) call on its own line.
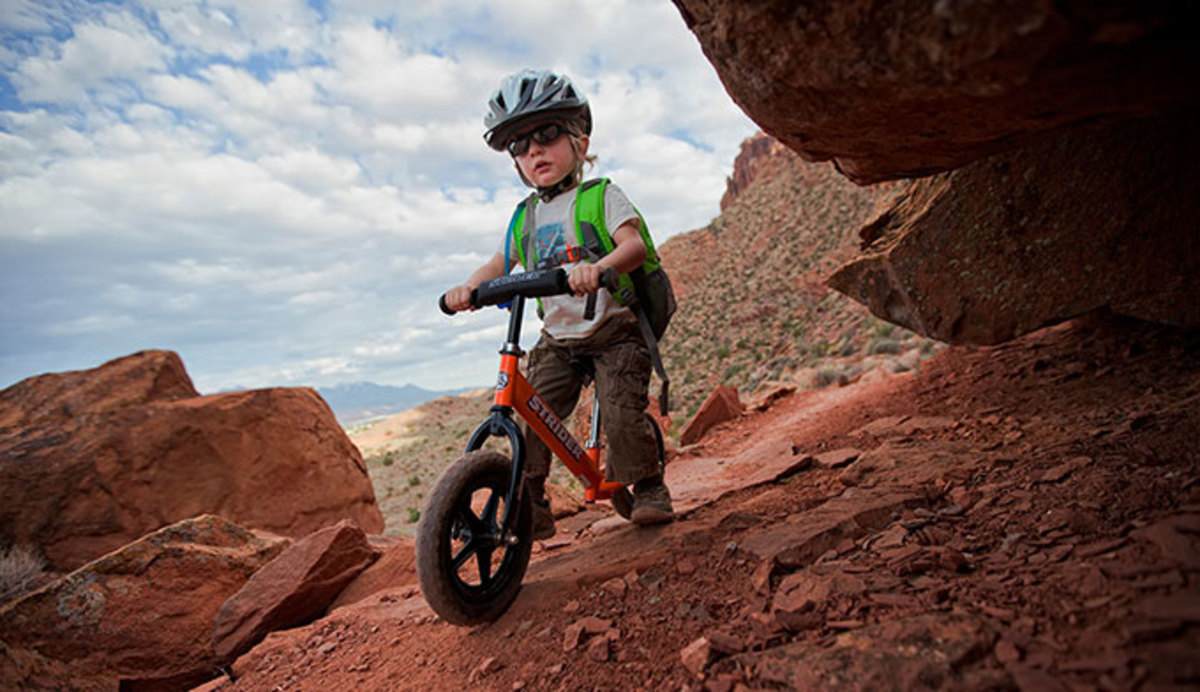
point(591, 227)
point(519, 228)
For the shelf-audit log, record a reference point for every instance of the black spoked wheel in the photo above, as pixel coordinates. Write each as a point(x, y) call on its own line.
point(468, 574)
point(622, 500)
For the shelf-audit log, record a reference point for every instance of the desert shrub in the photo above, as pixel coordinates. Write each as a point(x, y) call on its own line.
point(884, 330)
point(826, 376)
point(414, 515)
point(20, 571)
point(885, 347)
point(414, 481)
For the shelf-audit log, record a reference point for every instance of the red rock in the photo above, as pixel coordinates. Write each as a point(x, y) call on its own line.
point(92, 460)
point(563, 502)
point(1007, 652)
point(615, 587)
point(768, 393)
point(572, 636)
point(720, 406)
point(293, 589)
point(595, 625)
point(395, 568)
point(920, 652)
point(837, 458)
point(697, 655)
point(795, 545)
point(141, 616)
point(812, 588)
point(996, 77)
point(598, 649)
point(724, 643)
point(1081, 205)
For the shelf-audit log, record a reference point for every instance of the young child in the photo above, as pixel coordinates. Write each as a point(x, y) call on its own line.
point(544, 123)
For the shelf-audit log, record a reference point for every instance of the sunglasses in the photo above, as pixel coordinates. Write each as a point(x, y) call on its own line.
point(542, 135)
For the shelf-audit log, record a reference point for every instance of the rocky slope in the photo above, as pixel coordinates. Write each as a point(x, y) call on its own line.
point(1016, 517)
point(753, 304)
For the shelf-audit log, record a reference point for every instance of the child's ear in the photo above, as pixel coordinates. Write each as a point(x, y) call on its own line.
point(581, 145)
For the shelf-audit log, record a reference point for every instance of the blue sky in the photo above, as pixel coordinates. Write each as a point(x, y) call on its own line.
point(279, 190)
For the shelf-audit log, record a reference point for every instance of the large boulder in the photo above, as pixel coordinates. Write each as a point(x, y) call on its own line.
point(92, 460)
point(892, 88)
point(138, 618)
point(293, 589)
point(1099, 218)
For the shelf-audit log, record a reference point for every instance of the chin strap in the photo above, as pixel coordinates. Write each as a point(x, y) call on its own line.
point(551, 191)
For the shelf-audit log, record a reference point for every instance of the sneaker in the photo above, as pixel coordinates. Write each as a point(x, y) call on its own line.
point(651, 502)
point(543, 521)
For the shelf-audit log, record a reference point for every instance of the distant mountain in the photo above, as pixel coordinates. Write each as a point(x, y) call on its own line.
point(359, 402)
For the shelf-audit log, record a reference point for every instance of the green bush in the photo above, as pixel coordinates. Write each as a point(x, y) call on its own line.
point(414, 515)
point(884, 347)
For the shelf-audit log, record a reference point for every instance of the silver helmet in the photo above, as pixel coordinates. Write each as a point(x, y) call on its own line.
point(531, 96)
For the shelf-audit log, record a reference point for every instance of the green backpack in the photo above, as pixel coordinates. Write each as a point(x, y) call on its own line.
point(646, 290)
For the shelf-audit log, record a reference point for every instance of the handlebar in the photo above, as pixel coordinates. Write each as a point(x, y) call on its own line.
point(533, 284)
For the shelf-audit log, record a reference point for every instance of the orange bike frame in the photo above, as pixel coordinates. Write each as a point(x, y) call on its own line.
point(514, 392)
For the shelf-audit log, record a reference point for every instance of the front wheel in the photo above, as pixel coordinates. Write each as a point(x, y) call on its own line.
point(467, 573)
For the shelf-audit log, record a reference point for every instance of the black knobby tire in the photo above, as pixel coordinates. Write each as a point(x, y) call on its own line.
point(622, 500)
point(466, 575)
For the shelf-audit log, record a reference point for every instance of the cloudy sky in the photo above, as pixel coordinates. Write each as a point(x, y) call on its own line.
point(279, 190)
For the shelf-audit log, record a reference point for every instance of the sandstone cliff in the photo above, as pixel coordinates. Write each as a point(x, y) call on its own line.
point(1069, 129)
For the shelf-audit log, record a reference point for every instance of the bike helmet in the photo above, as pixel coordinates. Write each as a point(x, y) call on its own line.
point(530, 96)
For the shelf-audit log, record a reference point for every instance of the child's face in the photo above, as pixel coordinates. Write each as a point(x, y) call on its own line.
point(546, 164)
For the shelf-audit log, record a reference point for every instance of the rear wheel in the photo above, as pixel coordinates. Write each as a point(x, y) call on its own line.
point(467, 573)
point(622, 500)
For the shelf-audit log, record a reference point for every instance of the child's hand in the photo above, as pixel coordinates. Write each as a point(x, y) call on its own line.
point(585, 278)
point(459, 298)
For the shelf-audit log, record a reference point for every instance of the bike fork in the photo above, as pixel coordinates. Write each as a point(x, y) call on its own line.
point(501, 424)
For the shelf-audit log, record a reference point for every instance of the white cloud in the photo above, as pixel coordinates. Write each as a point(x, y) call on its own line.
point(281, 192)
point(117, 48)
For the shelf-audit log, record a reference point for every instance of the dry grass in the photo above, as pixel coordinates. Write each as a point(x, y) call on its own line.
point(20, 571)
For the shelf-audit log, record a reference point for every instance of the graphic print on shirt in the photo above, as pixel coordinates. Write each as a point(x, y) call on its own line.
point(551, 240)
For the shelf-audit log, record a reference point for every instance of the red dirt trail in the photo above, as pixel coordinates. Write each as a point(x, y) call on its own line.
point(1024, 516)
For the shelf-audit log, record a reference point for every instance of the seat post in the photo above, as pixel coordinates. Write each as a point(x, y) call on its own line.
point(594, 435)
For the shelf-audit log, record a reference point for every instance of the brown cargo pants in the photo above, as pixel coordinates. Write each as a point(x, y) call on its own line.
point(622, 365)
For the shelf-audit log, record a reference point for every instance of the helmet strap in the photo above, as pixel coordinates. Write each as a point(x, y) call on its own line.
point(551, 191)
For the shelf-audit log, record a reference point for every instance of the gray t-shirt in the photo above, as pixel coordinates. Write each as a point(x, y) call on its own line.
point(555, 232)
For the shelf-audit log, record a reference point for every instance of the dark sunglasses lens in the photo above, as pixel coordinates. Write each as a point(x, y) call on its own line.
point(546, 134)
point(543, 135)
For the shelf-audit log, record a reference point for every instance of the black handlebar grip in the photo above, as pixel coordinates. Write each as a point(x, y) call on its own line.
point(445, 308)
